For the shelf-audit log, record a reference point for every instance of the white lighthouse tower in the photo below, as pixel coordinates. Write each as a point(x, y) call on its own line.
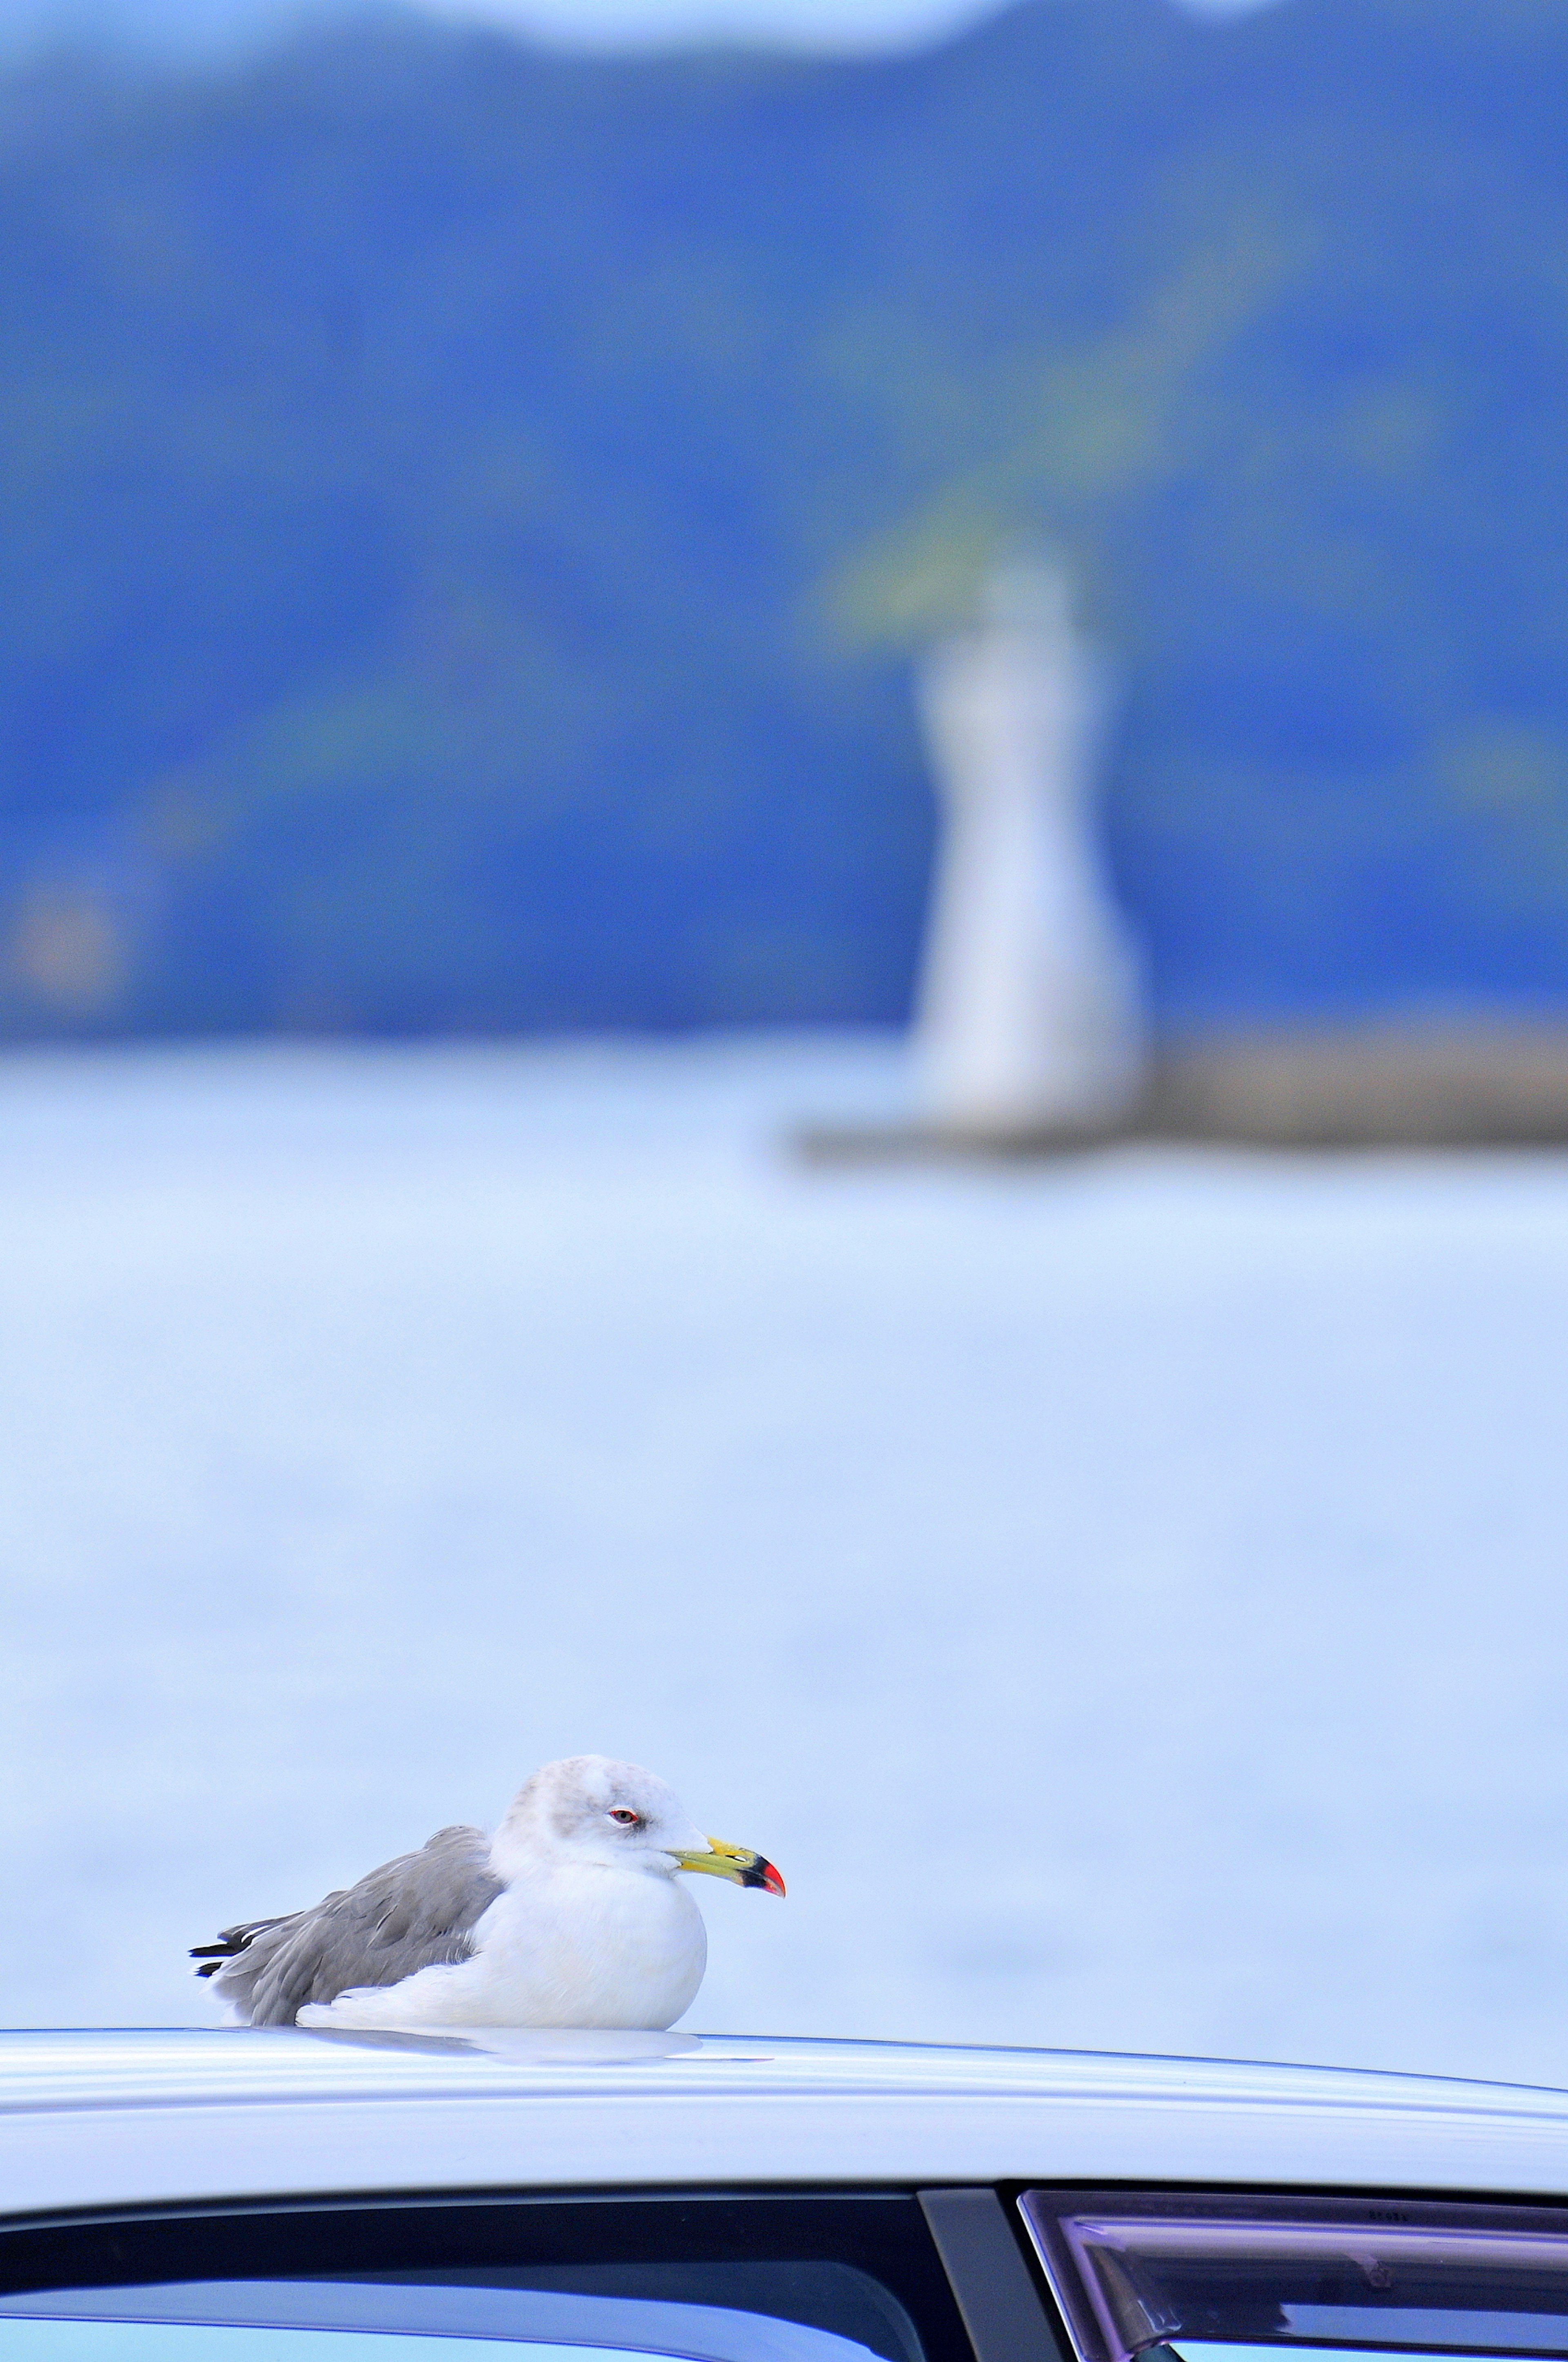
point(1028, 1017)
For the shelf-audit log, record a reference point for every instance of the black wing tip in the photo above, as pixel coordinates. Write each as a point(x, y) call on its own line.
point(229, 1946)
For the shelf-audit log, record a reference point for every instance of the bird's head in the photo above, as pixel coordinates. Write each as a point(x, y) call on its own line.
point(591, 1808)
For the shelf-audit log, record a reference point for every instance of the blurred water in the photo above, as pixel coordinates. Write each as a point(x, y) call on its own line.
point(1126, 1597)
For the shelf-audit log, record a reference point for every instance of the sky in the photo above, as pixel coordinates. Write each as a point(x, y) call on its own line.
point(821, 24)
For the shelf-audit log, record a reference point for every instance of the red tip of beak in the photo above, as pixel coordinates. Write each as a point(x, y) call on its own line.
point(771, 1878)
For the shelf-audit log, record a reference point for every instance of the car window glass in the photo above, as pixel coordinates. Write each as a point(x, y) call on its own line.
point(325, 2311)
point(816, 2290)
point(1198, 2350)
point(62, 2339)
point(727, 2277)
point(1204, 2278)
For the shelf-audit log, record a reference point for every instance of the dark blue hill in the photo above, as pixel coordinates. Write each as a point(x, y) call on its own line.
point(468, 511)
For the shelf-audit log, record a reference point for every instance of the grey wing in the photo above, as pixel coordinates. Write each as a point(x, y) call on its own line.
point(409, 1915)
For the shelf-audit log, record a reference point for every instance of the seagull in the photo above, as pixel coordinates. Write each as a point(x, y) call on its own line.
point(569, 1915)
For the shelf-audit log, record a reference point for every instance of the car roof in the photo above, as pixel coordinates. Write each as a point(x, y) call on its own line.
point(107, 2119)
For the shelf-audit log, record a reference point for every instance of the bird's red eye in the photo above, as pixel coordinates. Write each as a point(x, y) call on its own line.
point(628, 1820)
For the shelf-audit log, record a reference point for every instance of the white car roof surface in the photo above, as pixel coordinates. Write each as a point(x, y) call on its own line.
point(105, 2119)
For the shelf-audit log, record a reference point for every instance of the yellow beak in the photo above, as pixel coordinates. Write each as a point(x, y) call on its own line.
point(734, 1862)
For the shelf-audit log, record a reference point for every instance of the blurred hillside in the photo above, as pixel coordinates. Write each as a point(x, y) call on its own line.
point(468, 512)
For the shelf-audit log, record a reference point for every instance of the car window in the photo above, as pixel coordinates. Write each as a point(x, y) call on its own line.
point(1198, 2349)
point(309, 2320)
point(818, 2291)
point(1234, 2279)
point(841, 2278)
point(61, 2339)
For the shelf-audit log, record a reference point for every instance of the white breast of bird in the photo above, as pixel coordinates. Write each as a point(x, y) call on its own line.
point(566, 1945)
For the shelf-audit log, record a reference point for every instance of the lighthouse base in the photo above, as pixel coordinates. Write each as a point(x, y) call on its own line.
point(1480, 1084)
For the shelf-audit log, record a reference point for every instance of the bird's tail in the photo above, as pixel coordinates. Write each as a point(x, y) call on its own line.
point(231, 1943)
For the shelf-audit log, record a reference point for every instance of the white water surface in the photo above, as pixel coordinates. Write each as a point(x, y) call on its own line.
point(1127, 1596)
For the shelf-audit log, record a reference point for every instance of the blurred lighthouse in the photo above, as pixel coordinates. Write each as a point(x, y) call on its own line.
point(1029, 1018)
